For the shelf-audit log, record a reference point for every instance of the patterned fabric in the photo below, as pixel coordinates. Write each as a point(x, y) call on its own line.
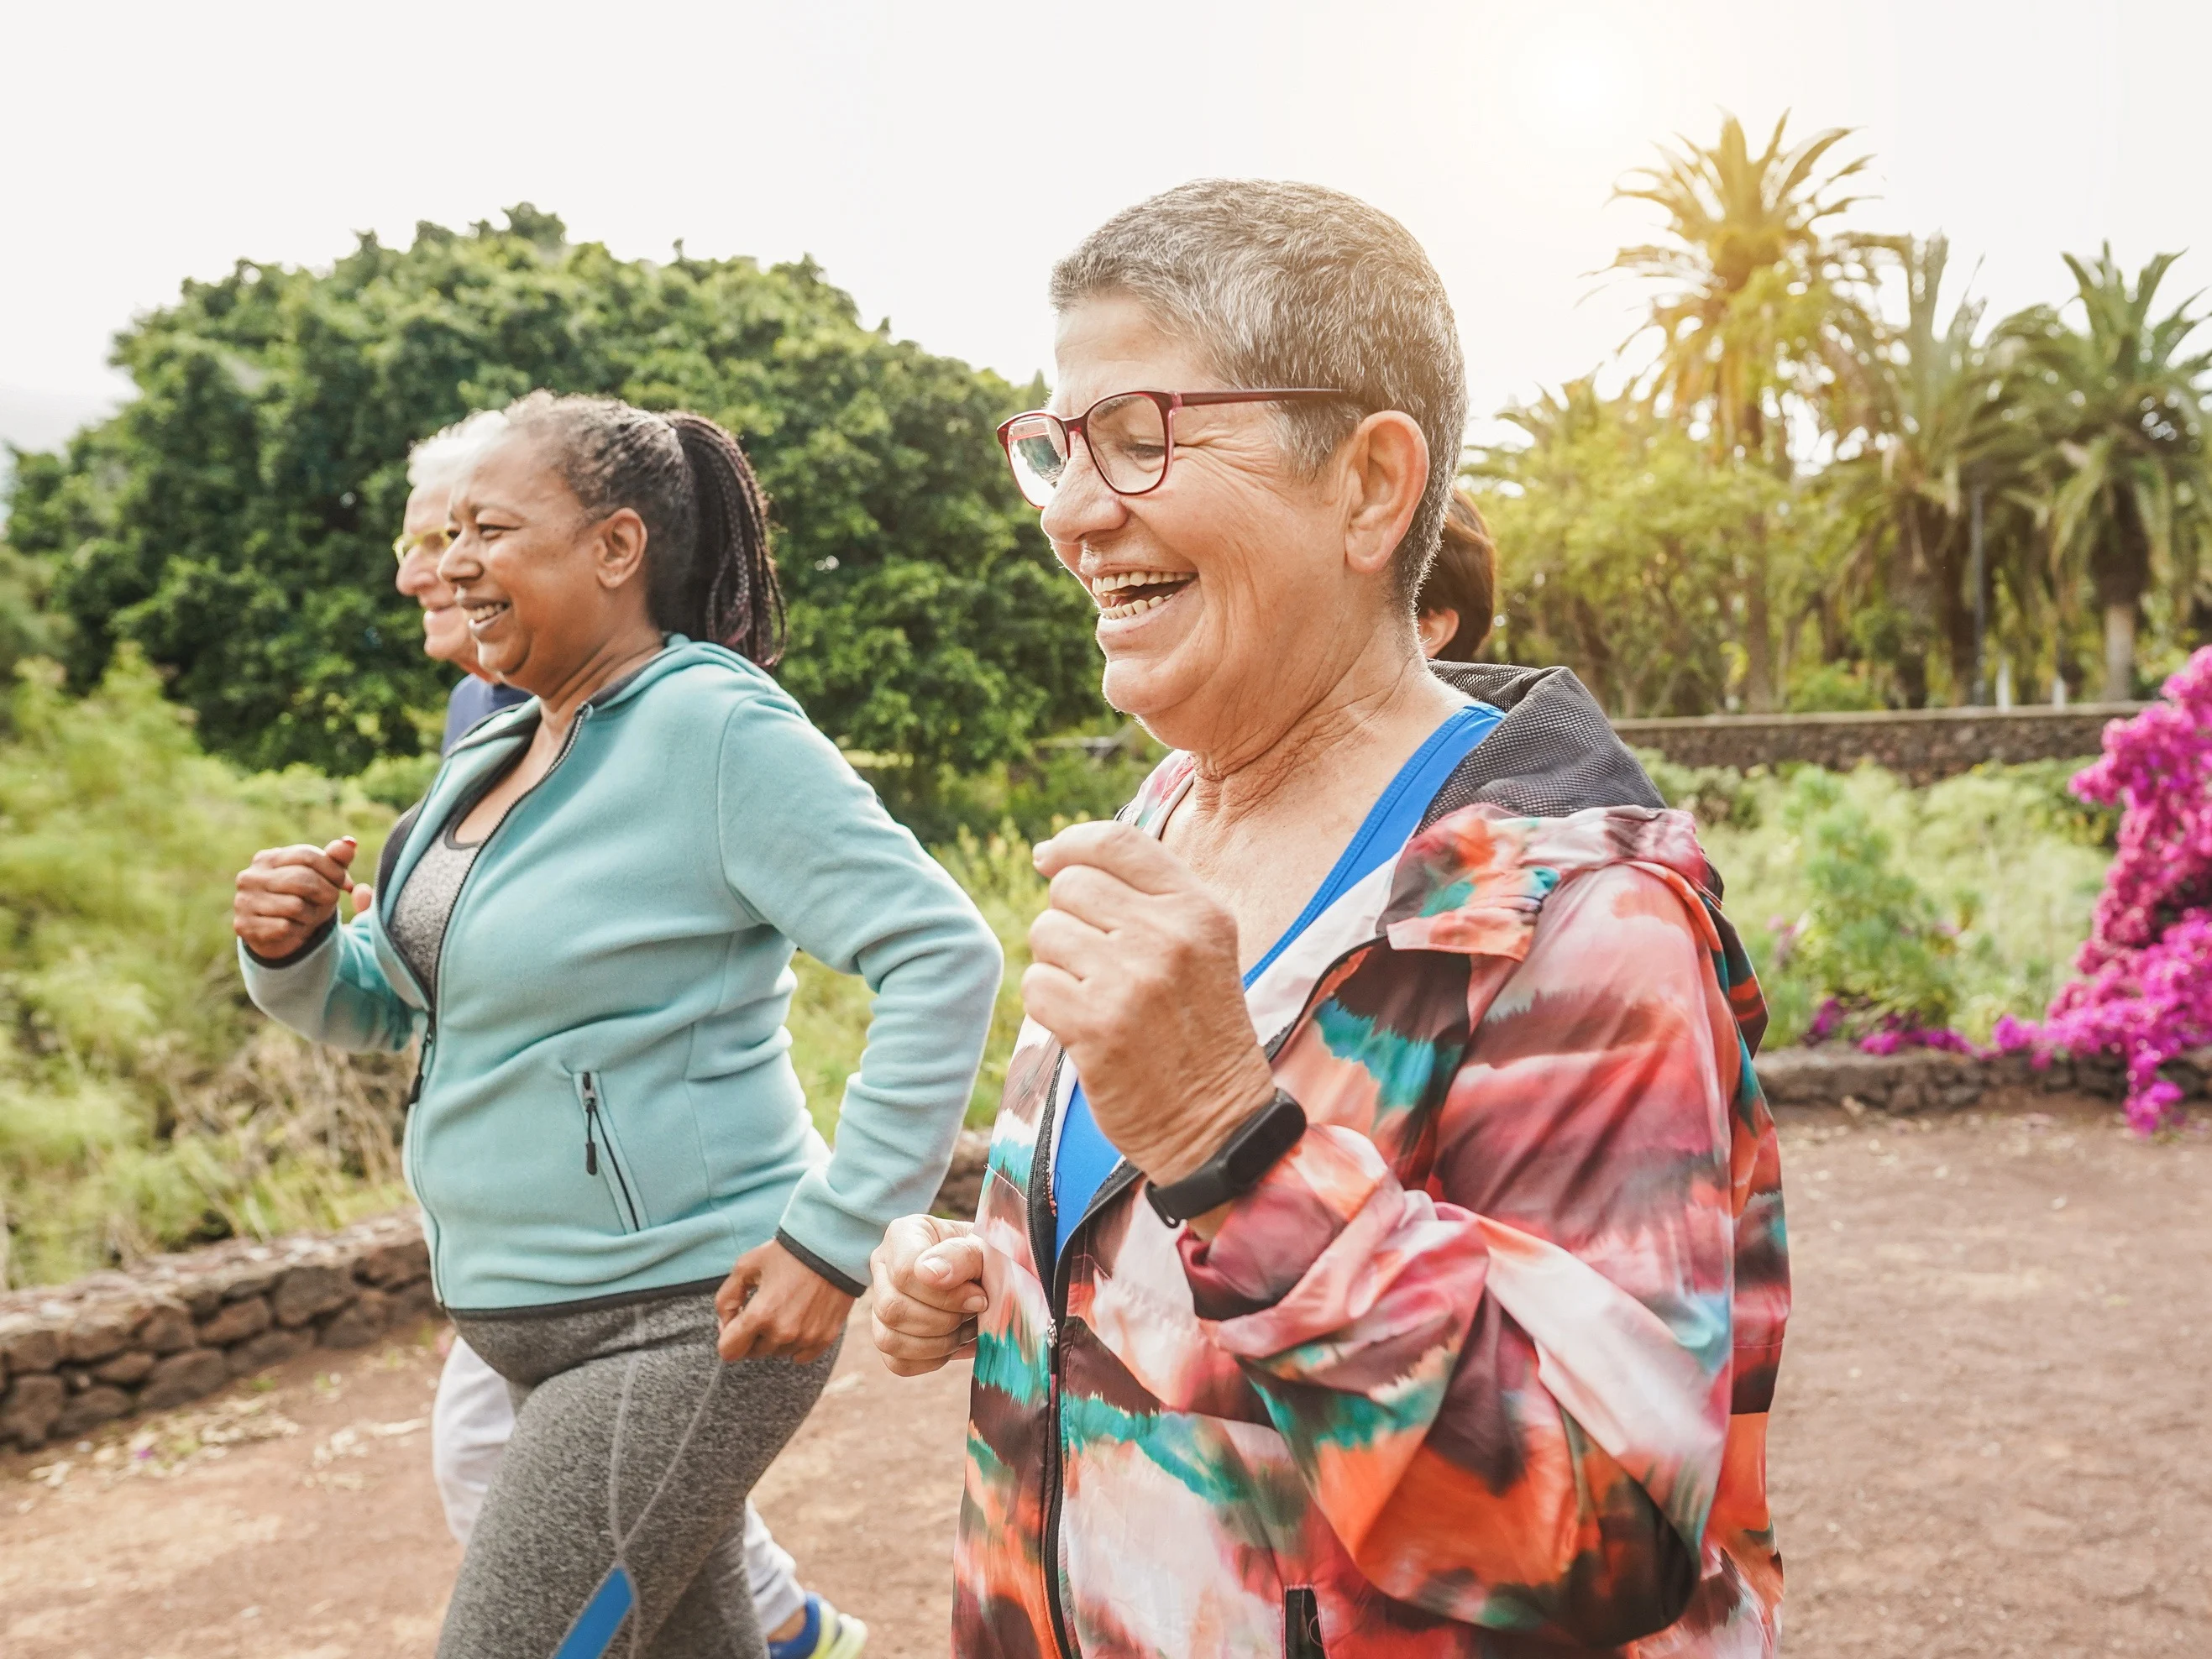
point(1482, 1367)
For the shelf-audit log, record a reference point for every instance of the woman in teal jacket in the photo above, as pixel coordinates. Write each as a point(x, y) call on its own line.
point(589, 922)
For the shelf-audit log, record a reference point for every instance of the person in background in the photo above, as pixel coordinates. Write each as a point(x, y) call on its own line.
point(473, 1417)
point(1382, 1248)
point(433, 467)
point(1453, 612)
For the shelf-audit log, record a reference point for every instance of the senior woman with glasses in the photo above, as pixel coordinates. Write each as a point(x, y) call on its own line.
point(1382, 1250)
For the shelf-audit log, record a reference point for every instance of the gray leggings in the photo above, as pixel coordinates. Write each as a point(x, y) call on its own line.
point(634, 1449)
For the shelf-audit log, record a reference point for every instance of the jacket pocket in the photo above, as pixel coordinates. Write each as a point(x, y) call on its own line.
point(1302, 1625)
point(602, 1155)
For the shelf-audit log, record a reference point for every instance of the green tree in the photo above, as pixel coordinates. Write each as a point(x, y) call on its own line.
point(2119, 406)
point(1621, 541)
point(232, 519)
point(1760, 317)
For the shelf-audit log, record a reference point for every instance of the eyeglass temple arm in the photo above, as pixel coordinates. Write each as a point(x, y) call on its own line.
point(1277, 394)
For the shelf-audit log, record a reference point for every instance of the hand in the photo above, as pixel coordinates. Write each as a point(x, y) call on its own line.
point(928, 1276)
point(1134, 970)
point(774, 1306)
point(288, 892)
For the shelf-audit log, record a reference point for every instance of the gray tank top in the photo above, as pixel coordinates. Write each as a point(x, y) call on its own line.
point(425, 904)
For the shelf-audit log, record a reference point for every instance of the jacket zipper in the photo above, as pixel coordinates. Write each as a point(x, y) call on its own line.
point(590, 1081)
point(1041, 1240)
point(429, 996)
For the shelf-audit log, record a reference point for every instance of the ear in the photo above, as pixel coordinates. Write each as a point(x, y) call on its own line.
point(1386, 467)
point(1436, 628)
point(618, 549)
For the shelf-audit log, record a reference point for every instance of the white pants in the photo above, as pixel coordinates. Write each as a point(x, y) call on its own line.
point(470, 1422)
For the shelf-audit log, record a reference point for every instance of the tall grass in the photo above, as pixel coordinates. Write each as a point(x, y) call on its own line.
point(142, 1103)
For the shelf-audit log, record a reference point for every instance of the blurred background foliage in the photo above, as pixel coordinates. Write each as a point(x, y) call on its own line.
point(233, 521)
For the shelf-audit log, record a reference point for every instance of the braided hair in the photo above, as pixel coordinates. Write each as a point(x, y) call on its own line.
point(709, 573)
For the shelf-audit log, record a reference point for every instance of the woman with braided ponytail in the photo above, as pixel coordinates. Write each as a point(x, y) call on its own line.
point(589, 921)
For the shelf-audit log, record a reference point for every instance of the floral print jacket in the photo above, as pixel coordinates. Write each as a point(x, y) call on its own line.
point(1482, 1366)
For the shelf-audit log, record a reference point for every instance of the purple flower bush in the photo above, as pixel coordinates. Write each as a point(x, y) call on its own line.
point(2144, 990)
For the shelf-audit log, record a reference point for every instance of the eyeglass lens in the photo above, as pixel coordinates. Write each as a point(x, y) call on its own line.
point(1128, 437)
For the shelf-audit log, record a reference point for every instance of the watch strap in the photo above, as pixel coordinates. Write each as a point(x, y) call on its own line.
point(1253, 1148)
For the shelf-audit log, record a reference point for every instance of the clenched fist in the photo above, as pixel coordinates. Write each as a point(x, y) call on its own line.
point(288, 892)
point(927, 1280)
point(1134, 970)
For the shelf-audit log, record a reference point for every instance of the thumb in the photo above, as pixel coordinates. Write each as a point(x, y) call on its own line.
point(955, 1263)
point(363, 896)
point(340, 852)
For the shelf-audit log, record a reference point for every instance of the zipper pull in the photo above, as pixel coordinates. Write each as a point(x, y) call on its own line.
point(422, 1065)
point(590, 1123)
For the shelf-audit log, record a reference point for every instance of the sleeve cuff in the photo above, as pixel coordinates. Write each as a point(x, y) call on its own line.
point(842, 1279)
point(1274, 1234)
point(314, 944)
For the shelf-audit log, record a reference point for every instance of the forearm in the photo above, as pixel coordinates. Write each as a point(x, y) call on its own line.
point(332, 992)
point(903, 1106)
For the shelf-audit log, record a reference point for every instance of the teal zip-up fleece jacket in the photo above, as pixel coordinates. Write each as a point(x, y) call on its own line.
point(606, 1103)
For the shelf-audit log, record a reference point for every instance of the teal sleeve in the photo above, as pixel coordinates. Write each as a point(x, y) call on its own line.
point(335, 992)
point(809, 849)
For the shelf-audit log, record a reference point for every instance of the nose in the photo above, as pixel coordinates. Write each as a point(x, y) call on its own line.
point(1083, 505)
point(459, 561)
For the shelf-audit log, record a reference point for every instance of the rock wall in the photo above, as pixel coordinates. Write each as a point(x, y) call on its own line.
point(1922, 744)
point(75, 1355)
point(178, 1326)
point(1930, 1080)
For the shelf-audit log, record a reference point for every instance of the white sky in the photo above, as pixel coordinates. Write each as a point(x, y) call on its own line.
point(904, 146)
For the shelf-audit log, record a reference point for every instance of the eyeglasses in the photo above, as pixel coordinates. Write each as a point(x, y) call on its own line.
point(433, 542)
point(1130, 436)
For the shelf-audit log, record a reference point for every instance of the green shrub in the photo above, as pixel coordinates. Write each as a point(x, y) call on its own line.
point(1716, 796)
point(1993, 854)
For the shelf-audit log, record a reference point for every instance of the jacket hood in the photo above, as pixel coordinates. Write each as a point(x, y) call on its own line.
point(1553, 754)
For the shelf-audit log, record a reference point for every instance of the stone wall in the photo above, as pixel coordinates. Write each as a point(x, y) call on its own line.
point(1929, 1080)
point(75, 1355)
point(1922, 744)
point(178, 1326)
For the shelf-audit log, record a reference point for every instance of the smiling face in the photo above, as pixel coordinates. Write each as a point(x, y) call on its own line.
point(445, 630)
point(544, 588)
point(1227, 602)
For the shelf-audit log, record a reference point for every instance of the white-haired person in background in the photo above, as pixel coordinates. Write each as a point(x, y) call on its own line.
point(473, 1417)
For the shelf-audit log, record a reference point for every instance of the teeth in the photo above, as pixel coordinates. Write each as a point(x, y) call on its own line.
point(1120, 579)
point(1134, 608)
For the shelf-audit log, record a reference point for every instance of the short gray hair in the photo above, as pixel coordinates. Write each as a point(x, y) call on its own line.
point(442, 457)
point(1281, 285)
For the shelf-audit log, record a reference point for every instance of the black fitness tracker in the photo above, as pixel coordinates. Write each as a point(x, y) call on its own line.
point(1254, 1148)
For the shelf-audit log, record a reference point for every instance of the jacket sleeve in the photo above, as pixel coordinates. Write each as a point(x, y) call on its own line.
point(810, 850)
point(333, 991)
point(1509, 1392)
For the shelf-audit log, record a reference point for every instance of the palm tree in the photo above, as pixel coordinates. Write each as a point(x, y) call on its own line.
point(2128, 497)
point(1935, 431)
point(1758, 305)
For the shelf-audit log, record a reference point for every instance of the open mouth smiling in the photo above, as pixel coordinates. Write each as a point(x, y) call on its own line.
point(1123, 594)
point(482, 613)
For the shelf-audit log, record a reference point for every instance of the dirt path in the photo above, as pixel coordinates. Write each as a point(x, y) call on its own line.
point(1992, 1439)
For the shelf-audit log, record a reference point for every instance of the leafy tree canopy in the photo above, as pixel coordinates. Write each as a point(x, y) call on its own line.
point(234, 521)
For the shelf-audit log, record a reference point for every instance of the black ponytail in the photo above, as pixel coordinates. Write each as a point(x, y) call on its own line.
point(733, 592)
point(710, 572)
